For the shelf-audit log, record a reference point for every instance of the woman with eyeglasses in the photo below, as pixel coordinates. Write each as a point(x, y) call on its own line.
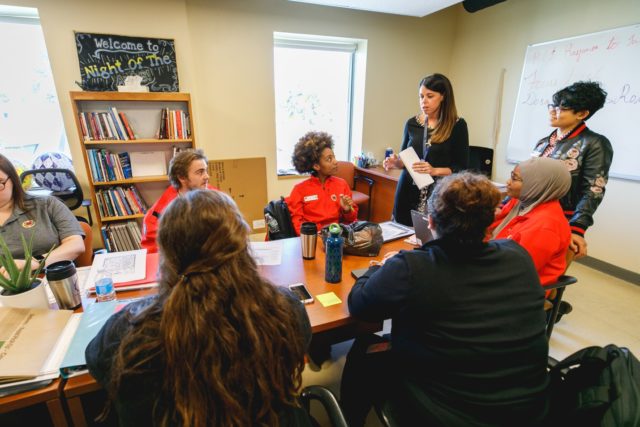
point(586, 154)
point(218, 345)
point(441, 140)
point(45, 219)
point(533, 216)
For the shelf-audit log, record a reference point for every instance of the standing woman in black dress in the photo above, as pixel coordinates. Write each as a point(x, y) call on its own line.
point(441, 141)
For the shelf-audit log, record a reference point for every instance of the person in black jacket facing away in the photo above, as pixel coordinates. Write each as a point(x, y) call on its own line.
point(468, 345)
point(218, 345)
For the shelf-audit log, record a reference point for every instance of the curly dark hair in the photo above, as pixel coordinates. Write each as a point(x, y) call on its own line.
point(462, 206)
point(581, 96)
point(308, 150)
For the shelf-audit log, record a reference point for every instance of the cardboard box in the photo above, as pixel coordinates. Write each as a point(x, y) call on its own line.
point(245, 180)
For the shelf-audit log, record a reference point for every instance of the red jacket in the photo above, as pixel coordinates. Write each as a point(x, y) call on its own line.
point(544, 232)
point(152, 218)
point(314, 202)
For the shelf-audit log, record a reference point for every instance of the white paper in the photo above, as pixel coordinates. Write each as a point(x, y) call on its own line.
point(267, 253)
point(124, 266)
point(148, 163)
point(392, 230)
point(409, 157)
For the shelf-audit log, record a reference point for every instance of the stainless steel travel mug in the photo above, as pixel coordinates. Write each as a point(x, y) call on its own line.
point(63, 281)
point(308, 238)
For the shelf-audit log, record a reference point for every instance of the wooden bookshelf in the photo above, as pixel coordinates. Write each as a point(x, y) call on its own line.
point(143, 112)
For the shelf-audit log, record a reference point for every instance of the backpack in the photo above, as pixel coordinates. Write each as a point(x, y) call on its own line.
point(278, 220)
point(597, 386)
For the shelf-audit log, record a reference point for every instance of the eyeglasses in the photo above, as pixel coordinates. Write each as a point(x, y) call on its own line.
point(515, 177)
point(557, 108)
point(3, 183)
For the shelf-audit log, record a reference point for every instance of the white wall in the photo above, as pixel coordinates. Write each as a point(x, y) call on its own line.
point(496, 38)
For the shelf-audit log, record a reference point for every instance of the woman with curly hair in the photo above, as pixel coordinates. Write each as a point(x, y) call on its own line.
point(439, 137)
point(323, 198)
point(218, 345)
point(586, 154)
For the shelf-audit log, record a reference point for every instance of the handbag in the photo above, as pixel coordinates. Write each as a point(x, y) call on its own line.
point(361, 238)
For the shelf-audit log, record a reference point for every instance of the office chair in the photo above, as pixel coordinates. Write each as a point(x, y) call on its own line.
point(481, 160)
point(555, 299)
point(73, 197)
point(347, 171)
point(328, 401)
point(86, 259)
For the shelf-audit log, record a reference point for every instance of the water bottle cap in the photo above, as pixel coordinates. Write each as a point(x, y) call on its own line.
point(335, 229)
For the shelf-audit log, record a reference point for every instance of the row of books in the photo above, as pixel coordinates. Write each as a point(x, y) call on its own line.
point(120, 201)
point(174, 124)
point(109, 125)
point(121, 236)
point(106, 166)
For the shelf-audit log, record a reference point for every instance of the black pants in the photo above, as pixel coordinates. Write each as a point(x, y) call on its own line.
point(366, 378)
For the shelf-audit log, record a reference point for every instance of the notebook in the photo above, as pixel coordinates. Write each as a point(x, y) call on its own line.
point(421, 227)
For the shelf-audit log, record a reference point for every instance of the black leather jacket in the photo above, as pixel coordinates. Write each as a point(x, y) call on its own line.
point(588, 157)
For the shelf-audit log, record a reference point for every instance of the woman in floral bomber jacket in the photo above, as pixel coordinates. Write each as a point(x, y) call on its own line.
point(586, 154)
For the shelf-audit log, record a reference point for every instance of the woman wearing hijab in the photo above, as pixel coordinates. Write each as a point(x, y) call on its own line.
point(533, 216)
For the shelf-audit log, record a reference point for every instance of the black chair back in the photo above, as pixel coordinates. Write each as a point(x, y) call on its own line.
point(481, 160)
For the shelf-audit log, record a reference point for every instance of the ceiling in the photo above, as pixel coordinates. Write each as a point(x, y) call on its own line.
point(418, 8)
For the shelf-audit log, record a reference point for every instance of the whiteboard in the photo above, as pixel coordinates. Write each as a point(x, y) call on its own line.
point(611, 58)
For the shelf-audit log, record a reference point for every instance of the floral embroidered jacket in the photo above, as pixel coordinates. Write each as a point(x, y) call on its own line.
point(588, 157)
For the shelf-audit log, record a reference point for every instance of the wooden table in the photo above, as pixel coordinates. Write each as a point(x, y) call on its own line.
point(383, 191)
point(329, 324)
point(49, 395)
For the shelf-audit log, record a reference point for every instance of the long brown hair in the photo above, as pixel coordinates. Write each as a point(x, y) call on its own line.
point(18, 193)
point(231, 353)
point(448, 112)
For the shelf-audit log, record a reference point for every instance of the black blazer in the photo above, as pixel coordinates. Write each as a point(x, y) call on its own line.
point(452, 153)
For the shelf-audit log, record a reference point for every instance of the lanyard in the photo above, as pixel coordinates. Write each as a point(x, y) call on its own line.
point(426, 143)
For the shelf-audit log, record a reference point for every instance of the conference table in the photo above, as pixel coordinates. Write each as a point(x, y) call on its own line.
point(329, 325)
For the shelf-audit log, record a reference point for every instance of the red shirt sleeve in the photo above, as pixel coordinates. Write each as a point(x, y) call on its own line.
point(294, 203)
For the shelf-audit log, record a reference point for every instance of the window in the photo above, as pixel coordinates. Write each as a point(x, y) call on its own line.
point(319, 86)
point(30, 117)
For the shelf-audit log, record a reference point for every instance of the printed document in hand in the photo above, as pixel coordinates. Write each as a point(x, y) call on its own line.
point(409, 157)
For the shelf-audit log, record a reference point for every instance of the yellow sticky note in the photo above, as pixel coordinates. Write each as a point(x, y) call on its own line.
point(328, 299)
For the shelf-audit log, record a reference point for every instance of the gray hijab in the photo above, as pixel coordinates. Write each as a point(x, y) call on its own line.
point(543, 179)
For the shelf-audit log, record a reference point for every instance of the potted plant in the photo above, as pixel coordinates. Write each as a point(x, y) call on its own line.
point(21, 287)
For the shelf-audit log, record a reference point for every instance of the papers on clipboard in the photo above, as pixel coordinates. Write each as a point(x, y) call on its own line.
point(129, 269)
point(409, 157)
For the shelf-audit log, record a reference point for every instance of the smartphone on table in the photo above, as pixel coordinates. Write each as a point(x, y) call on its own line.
point(301, 291)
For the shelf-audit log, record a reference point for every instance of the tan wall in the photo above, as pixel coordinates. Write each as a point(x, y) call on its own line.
point(496, 38)
point(233, 54)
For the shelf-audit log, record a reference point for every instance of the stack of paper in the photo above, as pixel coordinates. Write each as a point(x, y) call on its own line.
point(32, 345)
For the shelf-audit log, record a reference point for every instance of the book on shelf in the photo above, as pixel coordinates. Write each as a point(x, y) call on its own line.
point(121, 236)
point(33, 343)
point(106, 166)
point(120, 201)
point(173, 124)
point(105, 125)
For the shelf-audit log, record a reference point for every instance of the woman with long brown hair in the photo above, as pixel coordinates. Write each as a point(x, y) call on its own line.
point(218, 345)
point(44, 218)
point(440, 139)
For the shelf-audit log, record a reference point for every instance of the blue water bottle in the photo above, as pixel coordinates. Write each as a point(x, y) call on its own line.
point(333, 245)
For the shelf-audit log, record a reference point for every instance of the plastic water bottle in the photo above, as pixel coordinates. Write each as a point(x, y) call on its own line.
point(105, 291)
point(333, 245)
